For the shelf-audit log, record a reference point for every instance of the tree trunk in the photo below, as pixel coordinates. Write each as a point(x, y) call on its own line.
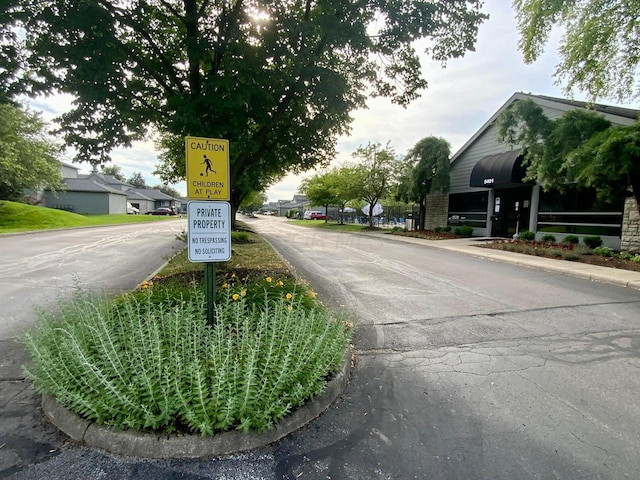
point(422, 216)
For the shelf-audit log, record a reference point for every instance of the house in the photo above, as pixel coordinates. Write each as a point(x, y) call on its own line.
point(96, 193)
point(85, 194)
point(488, 192)
point(147, 199)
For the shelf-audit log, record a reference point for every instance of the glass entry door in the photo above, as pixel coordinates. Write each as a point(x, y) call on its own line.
point(510, 211)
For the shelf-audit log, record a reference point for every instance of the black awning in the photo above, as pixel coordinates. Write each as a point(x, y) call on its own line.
point(498, 170)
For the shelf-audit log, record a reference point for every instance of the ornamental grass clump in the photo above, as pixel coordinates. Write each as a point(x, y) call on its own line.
point(144, 365)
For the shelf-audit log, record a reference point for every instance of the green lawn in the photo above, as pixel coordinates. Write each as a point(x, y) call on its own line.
point(331, 225)
point(20, 217)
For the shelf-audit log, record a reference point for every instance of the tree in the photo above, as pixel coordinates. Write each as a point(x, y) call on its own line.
point(254, 201)
point(610, 161)
point(114, 170)
point(167, 190)
point(279, 79)
point(344, 182)
point(28, 156)
point(599, 52)
point(137, 180)
point(581, 148)
point(426, 171)
point(334, 187)
point(319, 191)
point(376, 173)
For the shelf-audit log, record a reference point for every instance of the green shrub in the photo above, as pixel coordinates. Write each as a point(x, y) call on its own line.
point(527, 236)
point(464, 231)
point(150, 366)
point(571, 240)
point(592, 241)
point(630, 256)
point(240, 237)
point(569, 255)
point(549, 238)
point(446, 229)
point(437, 229)
point(604, 252)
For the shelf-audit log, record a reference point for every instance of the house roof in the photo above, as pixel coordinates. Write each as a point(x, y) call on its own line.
point(610, 109)
point(153, 193)
point(85, 185)
point(68, 165)
point(622, 115)
point(105, 179)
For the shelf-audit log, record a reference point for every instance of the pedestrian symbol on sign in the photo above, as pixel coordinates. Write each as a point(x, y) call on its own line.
point(209, 168)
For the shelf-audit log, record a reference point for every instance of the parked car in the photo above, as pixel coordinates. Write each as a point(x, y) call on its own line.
point(162, 211)
point(314, 215)
point(132, 210)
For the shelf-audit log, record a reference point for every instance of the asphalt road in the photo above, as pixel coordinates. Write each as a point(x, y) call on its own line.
point(38, 269)
point(466, 369)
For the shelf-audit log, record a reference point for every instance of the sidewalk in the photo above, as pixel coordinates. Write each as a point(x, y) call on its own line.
point(471, 246)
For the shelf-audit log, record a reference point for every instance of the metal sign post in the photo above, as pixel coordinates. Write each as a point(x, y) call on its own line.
point(209, 232)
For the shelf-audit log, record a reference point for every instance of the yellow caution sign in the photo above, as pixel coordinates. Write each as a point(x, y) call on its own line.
point(207, 168)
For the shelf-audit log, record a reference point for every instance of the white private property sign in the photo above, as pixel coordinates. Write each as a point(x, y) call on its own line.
point(209, 231)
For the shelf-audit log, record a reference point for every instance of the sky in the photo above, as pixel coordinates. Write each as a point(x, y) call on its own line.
point(459, 100)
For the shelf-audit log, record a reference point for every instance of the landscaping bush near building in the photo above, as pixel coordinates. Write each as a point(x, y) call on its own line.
point(570, 250)
point(571, 240)
point(463, 231)
point(593, 241)
point(527, 236)
point(548, 238)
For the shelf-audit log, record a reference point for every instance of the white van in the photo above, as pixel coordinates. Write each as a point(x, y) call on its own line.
point(131, 210)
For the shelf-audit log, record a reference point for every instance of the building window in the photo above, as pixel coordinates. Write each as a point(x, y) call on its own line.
point(468, 209)
point(581, 212)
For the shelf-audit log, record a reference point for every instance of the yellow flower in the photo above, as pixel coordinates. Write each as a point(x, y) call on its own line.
point(289, 296)
point(233, 275)
point(312, 294)
point(289, 308)
point(279, 284)
point(269, 279)
point(235, 296)
point(243, 293)
point(224, 285)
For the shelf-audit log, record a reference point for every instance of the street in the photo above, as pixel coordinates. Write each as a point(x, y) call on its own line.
point(465, 369)
point(37, 269)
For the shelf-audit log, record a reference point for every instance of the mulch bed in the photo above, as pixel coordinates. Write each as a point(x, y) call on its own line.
point(590, 259)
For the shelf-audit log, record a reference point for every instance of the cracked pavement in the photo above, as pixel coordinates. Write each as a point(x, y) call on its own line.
point(465, 369)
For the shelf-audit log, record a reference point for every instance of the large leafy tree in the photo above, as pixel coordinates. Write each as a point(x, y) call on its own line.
point(113, 170)
point(319, 191)
point(581, 148)
point(279, 79)
point(254, 201)
point(600, 50)
point(28, 155)
point(376, 173)
point(137, 180)
point(610, 161)
point(426, 171)
point(334, 187)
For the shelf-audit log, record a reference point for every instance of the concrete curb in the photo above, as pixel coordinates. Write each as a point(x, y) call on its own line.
point(148, 445)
